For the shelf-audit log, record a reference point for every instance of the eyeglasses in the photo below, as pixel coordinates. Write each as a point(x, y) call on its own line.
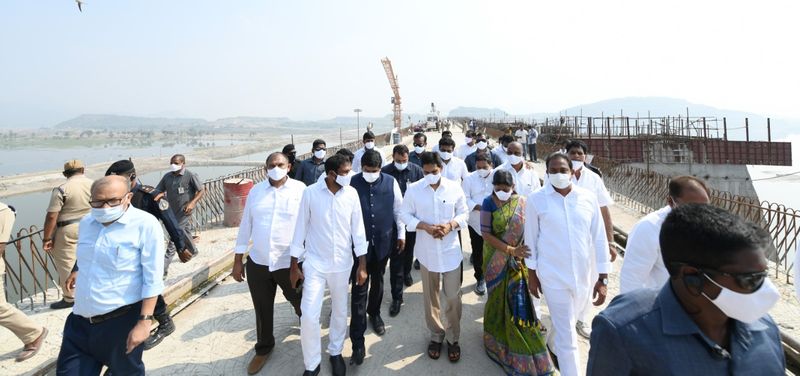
point(318, 149)
point(111, 202)
point(750, 281)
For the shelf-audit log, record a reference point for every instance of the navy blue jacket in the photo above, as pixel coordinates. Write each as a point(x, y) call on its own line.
point(377, 209)
point(471, 162)
point(411, 174)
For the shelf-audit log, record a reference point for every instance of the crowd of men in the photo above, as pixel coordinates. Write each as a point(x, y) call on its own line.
point(695, 293)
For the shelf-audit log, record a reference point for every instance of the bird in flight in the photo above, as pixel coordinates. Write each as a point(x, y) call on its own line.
point(80, 4)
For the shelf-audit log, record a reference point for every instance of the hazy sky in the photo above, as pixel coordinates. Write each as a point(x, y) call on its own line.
point(319, 59)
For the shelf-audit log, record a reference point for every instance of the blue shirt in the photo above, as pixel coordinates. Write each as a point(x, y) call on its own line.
point(647, 332)
point(120, 264)
point(309, 171)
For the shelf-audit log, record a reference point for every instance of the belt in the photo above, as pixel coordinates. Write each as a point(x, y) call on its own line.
point(111, 315)
point(67, 222)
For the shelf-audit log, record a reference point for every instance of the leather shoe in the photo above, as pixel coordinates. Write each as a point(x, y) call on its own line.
point(257, 363)
point(61, 304)
point(338, 368)
point(408, 281)
point(32, 348)
point(315, 372)
point(358, 356)
point(394, 309)
point(377, 325)
point(416, 264)
point(164, 329)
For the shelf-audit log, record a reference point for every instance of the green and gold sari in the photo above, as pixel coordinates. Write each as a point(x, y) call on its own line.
point(511, 333)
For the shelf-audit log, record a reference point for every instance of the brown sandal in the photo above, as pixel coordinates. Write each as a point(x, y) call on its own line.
point(434, 350)
point(453, 351)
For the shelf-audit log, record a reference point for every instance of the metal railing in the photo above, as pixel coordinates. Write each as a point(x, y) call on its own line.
point(32, 272)
point(647, 191)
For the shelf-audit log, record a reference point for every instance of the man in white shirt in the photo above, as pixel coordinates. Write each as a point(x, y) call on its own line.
point(526, 180)
point(469, 147)
point(329, 230)
point(643, 266)
point(445, 134)
point(438, 208)
point(269, 218)
point(533, 134)
point(453, 168)
point(521, 136)
point(369, 144)
point(477, 186)
point(588, 179)
point(564, 231)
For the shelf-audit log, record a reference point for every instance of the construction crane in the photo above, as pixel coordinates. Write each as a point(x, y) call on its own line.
point(398, 118)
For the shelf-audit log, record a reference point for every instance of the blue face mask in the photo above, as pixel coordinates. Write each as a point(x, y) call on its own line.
point(107, 215)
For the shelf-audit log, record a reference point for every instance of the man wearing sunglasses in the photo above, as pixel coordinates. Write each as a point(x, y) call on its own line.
point(710, 318)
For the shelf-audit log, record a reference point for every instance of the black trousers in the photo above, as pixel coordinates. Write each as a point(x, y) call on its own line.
point(400, 266)
point(160, 312)
point(476, 240)
point(86, 347)
point(365, 299)
point(532, 152)
point(263, 285)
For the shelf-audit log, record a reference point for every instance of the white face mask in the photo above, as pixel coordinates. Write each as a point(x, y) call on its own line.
point(445, 155)
point(371, 177)
point(747, 308)
point(319, 154)
point(484, 173)
point(400, 166)
point(277, 173)
point(576, 165)
point(514, 159)
point(502, 195)
point(560, 181)
point(419, 149)
point(107, 215)
point(467, 139)
point(175, 167)
point(344, 180)
point(432, 179)
point(482, 145)
point(369, 145)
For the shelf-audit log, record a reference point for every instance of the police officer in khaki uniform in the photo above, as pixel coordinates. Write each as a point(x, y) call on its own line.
point(31, 334)
point(68, 204)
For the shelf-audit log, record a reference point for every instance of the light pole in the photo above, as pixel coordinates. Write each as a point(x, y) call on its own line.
point(358, 122)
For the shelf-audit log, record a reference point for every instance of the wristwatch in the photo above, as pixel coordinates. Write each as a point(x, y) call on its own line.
point(603, 281)
point(145, 317)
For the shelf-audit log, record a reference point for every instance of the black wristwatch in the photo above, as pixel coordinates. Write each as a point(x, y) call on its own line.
point(146, 317)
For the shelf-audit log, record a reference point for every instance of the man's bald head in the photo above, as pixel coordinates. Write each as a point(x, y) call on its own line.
point(109, 187)
point(514, 148)
point(688, 190)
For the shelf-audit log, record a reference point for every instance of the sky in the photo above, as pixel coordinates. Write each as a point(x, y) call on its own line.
point(320, 59)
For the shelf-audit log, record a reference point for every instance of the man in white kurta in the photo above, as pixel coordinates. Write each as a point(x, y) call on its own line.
point(329, 230)
point(269, 217)
point(436, 208)
point(526, 180)
point(643, 266)
point(369, 144)
point(453, 168)
point(565, 233)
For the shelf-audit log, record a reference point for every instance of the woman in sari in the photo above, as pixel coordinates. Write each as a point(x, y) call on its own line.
point(511, 333)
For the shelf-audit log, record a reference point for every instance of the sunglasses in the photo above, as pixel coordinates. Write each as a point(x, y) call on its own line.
point(751, 281)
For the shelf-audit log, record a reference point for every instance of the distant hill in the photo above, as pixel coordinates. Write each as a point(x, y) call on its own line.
point(101, 121)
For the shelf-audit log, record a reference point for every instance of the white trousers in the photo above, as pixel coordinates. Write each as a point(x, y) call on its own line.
point(563, 306)
point(311, 306)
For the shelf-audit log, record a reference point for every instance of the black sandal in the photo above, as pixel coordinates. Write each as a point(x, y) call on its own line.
point(434, 350)
point(453, 352)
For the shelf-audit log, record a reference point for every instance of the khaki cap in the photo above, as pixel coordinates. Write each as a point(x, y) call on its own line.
point(73, 164)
